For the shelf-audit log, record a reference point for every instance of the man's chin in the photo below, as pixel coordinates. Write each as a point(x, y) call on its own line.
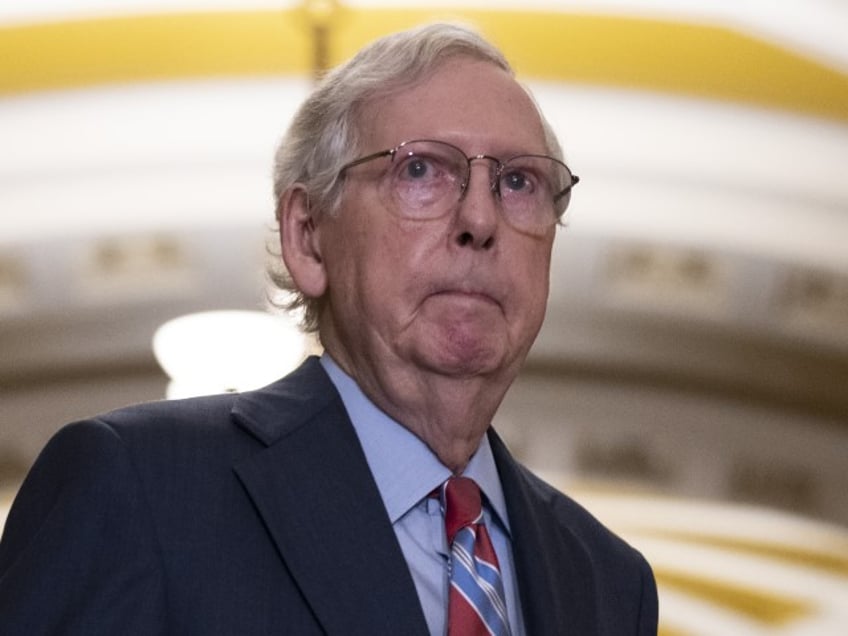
point(466, 357)
point(462, 341)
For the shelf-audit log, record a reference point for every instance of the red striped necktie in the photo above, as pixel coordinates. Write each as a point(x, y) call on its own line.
point(476, 605)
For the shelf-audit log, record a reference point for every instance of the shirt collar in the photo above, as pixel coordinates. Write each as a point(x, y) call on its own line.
point(404, 467)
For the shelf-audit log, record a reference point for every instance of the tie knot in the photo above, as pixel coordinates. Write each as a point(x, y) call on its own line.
point(462, 505)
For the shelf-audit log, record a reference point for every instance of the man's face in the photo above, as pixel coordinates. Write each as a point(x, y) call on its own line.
point(462, 295)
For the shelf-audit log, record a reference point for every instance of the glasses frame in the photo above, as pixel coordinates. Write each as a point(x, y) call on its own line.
point(494, 184)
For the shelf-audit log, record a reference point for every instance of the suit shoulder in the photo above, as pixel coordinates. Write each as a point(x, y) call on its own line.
point(580, 522)
point(206, 411)
point(616, 579)
point(173, 430)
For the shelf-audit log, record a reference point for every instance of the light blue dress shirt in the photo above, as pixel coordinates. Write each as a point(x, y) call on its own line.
point(406, 472)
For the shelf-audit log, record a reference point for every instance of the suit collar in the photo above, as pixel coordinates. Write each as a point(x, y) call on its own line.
point(313, 489)
point(553, 569)
point(280, 408)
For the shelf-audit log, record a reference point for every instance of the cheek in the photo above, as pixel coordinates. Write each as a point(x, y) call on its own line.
point(378, 266)
point(534, 263)
point(531, 283)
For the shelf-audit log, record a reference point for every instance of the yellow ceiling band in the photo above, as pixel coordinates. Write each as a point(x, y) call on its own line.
point(644, 54)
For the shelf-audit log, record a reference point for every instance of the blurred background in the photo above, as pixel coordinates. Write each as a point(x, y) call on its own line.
point(690, 385)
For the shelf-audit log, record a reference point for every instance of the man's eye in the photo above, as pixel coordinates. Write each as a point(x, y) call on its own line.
point(416, 168)
point(516, 181)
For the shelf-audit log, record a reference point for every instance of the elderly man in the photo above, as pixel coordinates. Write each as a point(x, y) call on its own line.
point(418, 193)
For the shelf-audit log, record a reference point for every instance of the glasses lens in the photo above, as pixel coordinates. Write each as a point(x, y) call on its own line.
point(426, 178)
point(533, 191)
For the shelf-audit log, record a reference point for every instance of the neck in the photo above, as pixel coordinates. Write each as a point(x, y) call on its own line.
point(448, 413)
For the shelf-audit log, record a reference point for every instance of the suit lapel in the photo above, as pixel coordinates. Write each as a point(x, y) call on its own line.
point(553, 571)
point(323, 510)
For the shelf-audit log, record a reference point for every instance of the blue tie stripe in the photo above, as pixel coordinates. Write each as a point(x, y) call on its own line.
point(483, 574)
point(479, 583)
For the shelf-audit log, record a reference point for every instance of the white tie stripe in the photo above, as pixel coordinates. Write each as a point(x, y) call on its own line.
point(467, 561)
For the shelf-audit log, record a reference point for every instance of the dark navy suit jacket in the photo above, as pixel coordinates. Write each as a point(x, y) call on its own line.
point(240, 515)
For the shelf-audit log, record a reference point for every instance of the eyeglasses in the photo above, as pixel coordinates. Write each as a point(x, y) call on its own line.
point(427, 179)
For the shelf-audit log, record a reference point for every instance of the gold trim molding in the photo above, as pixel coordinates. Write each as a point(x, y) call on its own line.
point(696, 60)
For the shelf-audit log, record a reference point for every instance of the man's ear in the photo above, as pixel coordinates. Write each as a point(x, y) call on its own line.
point(299, 243)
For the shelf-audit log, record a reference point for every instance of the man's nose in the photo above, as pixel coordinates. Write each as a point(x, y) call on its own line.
point(478, 215)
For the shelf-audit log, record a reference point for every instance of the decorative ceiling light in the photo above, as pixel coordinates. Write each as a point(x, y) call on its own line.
point(226, 351)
